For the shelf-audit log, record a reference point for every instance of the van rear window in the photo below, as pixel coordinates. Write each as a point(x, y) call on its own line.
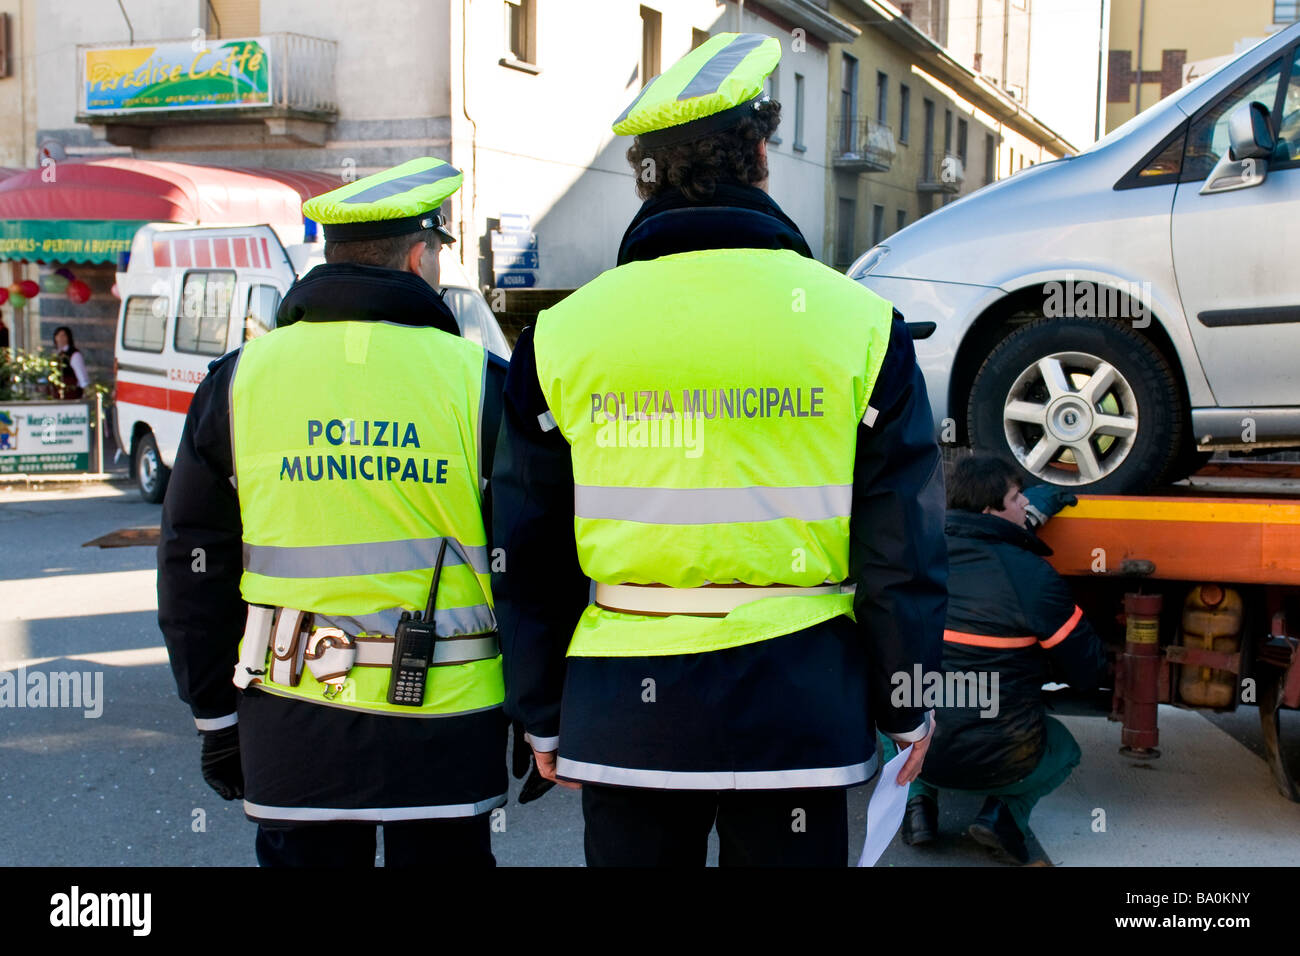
point(145, 325)
point(204, 322)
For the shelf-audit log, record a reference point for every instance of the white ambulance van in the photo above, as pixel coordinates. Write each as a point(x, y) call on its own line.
point(189, 295)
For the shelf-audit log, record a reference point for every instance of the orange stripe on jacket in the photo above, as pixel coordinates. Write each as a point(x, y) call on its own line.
point(1065, 628)
point(988, 640)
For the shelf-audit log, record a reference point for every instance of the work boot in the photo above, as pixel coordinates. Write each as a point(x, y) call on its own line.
point(995, 829)
point(920, 821)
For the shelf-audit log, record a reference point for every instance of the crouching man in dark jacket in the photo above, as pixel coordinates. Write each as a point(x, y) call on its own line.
point(1012, 625)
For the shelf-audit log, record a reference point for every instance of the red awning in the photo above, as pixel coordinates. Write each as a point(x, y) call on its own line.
point(147, 191)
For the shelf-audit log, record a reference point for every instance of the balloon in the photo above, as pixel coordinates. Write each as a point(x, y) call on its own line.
point(78, 291)
point(65, 272)
point(4, 295)
point(116, 292)
point(29, 288)
point(16, 288)
point(54, 283)
point(17, 300)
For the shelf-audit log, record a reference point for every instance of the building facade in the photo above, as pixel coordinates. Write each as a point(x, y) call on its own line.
point(912, 127)
point(1158, 45)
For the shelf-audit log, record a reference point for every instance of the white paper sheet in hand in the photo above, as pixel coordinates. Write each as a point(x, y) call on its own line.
point(885, 811)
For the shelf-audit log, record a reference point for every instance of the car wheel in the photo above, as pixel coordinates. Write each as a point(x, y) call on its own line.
point(1088, 404)
point(151, 475)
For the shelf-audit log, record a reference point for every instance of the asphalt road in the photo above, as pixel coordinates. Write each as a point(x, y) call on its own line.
point(123, 787)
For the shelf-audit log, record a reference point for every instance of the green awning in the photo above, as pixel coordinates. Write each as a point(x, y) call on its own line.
point(66, 240)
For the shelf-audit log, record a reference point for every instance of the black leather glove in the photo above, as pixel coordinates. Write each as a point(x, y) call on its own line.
point(1044, 501)
point(521, 759)
point(220, 762)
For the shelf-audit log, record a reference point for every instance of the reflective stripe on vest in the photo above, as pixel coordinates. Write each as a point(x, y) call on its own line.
point(713, 429)
point(356, 454)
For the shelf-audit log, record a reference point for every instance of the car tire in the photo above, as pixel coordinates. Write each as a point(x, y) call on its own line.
point(1084, 403)
point(151, 475)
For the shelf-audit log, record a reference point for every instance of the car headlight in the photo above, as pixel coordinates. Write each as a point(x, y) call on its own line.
point(868, 263)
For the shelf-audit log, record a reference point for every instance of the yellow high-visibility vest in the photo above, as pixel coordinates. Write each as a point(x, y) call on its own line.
point(711, 400)
point(356, 450)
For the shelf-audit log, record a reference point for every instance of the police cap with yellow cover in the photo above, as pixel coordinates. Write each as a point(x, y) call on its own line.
point(710, 89)
point(395, 202)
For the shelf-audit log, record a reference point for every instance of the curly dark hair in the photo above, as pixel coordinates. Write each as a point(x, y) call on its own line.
point(697, 166)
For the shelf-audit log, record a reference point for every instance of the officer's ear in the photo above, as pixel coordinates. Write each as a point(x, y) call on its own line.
point(414, 255)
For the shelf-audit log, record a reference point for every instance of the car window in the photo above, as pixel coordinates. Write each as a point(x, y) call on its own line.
point(476, 321)
point(145, 324)
point(1167, 162)
point(1207, 140)
point(1288, 134)
point(205, 312)
point(259, 317)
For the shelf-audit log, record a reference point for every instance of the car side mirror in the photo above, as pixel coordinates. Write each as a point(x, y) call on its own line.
point(1248, 132)
point(1245, 162)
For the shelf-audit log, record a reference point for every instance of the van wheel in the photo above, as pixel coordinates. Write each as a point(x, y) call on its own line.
point(151, 475)
point(1085, 403)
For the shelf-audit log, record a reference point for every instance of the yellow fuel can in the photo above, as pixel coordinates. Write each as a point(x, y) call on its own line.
point(1212, 622)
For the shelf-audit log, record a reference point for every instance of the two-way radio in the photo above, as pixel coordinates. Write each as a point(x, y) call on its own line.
point(413, 647)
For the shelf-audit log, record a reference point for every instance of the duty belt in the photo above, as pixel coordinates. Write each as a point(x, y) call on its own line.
point(712, 600)
point(330, 652)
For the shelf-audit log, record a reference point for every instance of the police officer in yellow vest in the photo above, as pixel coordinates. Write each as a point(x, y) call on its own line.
point(733, 442)
point(329, 491)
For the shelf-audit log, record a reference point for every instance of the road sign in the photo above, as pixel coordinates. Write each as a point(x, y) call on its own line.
point(501, 261)
point(515, 222)
point(513, 240)
point(515, 279)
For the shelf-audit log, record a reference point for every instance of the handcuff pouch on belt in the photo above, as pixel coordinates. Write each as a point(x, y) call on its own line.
point(330, 655)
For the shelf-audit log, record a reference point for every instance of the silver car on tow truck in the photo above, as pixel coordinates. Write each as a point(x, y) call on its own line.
point(1110, 319)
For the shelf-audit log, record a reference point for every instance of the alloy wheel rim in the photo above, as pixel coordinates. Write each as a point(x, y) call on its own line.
point(1070, 418)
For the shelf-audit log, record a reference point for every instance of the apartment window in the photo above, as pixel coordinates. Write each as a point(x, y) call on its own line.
point(947, 132)
point(928, 108)
point(848, 103)
point(1286, 11)
point(845, 211)
point(961, 141)
point(234, 18)
point(990, 158)
point(798, 113)
point(882, 98)
point(698, 37)
point(900, 220)
point(877, 224)
point(651, 27)
point(521, 33)
point(904, 113)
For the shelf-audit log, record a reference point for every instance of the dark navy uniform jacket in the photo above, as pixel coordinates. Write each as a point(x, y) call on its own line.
point(1010, 614)
point(749, 716)
point(296, 753)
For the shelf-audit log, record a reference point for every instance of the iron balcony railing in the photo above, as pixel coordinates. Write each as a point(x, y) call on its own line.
point(863, 145)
